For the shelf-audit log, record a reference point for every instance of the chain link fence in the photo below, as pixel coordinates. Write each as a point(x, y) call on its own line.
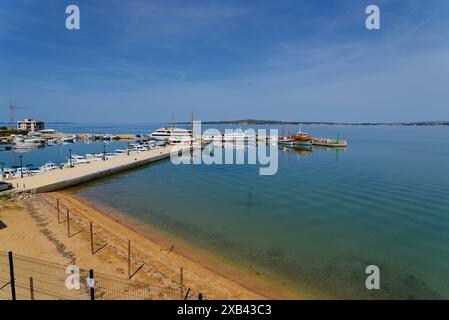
point(35, 279)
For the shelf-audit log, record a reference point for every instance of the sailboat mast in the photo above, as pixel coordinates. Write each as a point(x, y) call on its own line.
point(191, 141)
point(11, 116)
point(192, 124)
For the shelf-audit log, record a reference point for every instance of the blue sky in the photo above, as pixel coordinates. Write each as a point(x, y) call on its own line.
point(138, 61)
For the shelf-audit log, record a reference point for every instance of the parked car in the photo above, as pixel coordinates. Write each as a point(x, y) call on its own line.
point(5, 186)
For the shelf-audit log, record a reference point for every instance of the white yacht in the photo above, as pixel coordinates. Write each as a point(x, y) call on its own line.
point(8, 173)
point(119, 152)
point(163, 134)
point(21, 143)
point(77, 159)
point(68, 139)
point(180, 140)
point(238, 136)
point(22, 172)
point(49, 166)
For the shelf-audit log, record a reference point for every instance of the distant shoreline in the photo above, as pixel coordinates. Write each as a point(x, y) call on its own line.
point(278, 122)
point(60, 122)
point(281, 122)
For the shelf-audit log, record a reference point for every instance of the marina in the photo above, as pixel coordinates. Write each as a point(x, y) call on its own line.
point(135, 143)
point(60, 178)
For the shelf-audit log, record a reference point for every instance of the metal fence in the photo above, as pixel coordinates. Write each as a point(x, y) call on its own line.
point(24, 278)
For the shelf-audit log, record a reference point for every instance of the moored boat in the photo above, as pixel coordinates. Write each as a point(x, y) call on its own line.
point(68, 139)
point(302, 139)
point(49, 166)
point(334, 143)
point(163, 134)
point(22, 143)
point(287, 141)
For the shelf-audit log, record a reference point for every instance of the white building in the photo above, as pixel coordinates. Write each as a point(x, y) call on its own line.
point(30, 125)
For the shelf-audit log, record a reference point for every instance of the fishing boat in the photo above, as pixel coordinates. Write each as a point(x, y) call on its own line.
point(302, 139)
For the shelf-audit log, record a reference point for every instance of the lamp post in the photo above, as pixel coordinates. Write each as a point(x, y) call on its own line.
point(70, 157)
point(104, 151)
point(21, 167)
point(2, 167)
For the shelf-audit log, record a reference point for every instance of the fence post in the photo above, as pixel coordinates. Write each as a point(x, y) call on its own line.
point(57, 206)
point(181, 281)
point(11, 274)
point(92, 285)
point(187, 294)
point(68, 223)
point(91, 239)
point(129, 259)
point(31, 288)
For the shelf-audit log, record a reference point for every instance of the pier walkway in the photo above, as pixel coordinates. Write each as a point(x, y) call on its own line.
point(69, 177)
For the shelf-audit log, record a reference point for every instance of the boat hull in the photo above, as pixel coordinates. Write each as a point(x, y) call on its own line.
point(286, 143)
point(305, 143)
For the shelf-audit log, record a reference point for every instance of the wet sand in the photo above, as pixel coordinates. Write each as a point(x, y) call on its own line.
point(33, 230)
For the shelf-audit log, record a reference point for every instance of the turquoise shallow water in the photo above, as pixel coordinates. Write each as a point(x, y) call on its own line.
point(321, 219)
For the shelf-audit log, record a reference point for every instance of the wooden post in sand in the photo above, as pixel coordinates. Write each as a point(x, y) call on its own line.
point(68, 223)
point(57, 206)
point(91, 239)
point(12, 281)
point(181, 281)
point(31, 289)
point(129, 259)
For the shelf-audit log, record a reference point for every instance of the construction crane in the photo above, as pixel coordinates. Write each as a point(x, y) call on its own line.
point(12, 109)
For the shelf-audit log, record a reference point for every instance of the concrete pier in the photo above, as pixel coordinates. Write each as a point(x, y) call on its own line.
point(69, 177)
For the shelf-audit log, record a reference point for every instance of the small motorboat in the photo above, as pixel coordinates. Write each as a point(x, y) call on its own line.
point(49, 166)
point(9, 173)
point(22, 172)
point(68, 140)
point(287, 141)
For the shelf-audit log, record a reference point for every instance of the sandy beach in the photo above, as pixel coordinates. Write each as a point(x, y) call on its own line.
point(33, 231)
